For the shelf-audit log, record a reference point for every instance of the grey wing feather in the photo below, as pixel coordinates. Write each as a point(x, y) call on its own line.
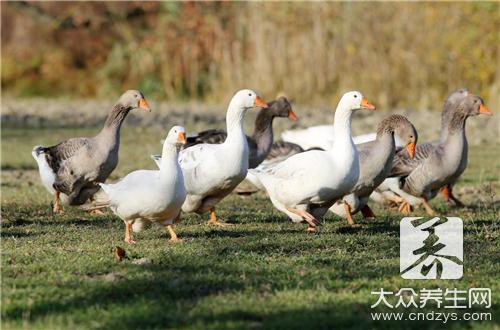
point(63, 151)
point(212, 136)
point(403, 165)
point(283, 150)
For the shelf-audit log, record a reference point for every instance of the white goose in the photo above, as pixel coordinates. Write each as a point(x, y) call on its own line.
point(320, 136)
point(212, 171)
point(307, 184)
point(147, 196)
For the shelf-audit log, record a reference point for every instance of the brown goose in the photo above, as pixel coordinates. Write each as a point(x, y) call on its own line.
point(424, 177)
point(260, 143)
point(375, 161)
point(72, 168)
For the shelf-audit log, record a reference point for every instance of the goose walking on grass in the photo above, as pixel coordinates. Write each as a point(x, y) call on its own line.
point(212, 171)
point(390, 191)
point(424, 177)
point(307, 184)
point(146, 196)
point(261, 141)
point(71, 169)
point(375, 159)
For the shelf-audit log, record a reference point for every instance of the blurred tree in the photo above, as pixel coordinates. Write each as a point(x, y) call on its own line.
point(400, 54)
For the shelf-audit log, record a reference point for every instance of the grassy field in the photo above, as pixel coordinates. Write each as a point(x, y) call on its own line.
point(263, 272)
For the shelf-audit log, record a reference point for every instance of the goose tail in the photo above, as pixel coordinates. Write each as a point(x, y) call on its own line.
point(98, 201)
point(47, 174)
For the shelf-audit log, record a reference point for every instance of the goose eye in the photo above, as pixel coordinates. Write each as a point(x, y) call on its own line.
point(250, 94)
point(355, 96)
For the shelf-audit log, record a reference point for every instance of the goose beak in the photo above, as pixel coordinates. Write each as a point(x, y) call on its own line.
point(410, 147)
point(484, 110)
point(259, 102)
point(292, 116)
point(144, 105)
point(181, 138)
point(366, 105)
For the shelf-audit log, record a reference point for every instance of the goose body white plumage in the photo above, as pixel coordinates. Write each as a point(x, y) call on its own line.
point(312, 181)
point(320, 136)
point(212, 171)
point(146, 196)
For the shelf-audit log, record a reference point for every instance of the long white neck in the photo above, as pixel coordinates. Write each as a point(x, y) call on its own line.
point(342, 137)
point(169, 166)
point(234, 124)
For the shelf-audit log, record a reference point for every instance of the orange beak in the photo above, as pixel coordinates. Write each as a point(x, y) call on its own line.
point(292, 115)
point(410, 147)
point(144, 105)
point(181, 138)
point(483, 109)
point(259, 102)
point(366, 105)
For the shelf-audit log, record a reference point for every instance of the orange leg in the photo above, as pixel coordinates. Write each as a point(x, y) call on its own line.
point(405, 208)
point(446, 193)
point(350, 220)
point(173, 235)
point(308, 217)
point(128, 234)
point(57, 207)
point(427, 207)
point(214, 221)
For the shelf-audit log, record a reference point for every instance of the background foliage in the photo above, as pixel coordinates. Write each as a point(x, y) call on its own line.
point(401, 54)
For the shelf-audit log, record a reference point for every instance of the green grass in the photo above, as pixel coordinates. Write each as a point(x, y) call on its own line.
point(60, 272)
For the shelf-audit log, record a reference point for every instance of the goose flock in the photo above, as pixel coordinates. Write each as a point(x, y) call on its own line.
point(312, 171)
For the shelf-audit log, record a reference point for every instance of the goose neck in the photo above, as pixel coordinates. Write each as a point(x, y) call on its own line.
point(234, 124)
point(342, 125)
point(169, 159)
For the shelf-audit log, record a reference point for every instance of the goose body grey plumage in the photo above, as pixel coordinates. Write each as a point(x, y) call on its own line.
point(375, 158)
point(71, 169)
point(445, 162)
point(390, 190)
point(261, 141)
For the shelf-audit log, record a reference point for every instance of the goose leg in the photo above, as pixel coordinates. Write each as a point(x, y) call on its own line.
point(96, 212)
point(457, 202)
point(394, 198)
point(427, 207)
point(308, 217)
point(350, 220)
point(213, 220)
point(173, 235)
point(405, 208)
point(367, 212)
point(57, 207)
point(128, 234)
point(446, 193)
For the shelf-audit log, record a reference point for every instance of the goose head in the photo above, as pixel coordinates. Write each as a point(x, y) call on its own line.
point(247, 99)
point(407, 135)
point(456, 96)
point(134, 99)
point(282, 108)
point(353, 101)
point(473, 105)
point(176, 136)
